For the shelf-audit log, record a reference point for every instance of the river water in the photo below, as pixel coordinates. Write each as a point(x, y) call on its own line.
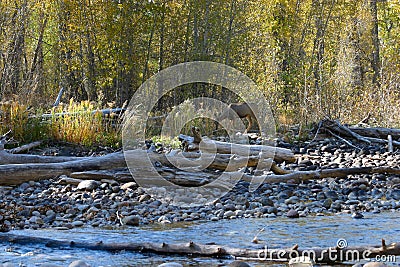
point(323, 231)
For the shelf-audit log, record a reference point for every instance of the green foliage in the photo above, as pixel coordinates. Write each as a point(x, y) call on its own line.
point(311, 58)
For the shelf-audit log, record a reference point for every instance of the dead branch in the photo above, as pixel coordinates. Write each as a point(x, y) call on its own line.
point(370, 135)
point(25, 148)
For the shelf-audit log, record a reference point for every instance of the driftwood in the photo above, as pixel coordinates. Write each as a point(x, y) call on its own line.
point(318, 174)
point(13, 174)
point(365, 135)
point(206, 145)
point(377, 132)
point(320, 255)
point(175, 176)
point(25, 148)
point(105, 112)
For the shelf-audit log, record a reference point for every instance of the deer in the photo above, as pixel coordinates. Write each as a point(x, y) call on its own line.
point(242, 110)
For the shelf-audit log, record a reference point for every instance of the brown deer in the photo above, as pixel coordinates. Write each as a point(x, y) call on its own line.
point(242, 110)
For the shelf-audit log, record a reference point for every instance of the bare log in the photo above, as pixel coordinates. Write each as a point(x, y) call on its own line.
point(377, 132)
point(23, 168)
point(206, 145)
point(277, 153)
point(320, 174)
point(14, 174)
point(25, 148)
point(320, 255)
point(8, 158)
point(338, 129)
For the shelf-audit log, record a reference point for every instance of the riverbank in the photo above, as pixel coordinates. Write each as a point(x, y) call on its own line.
point(109, 203)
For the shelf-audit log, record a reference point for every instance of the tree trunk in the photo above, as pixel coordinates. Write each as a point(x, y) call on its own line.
point(375, 61)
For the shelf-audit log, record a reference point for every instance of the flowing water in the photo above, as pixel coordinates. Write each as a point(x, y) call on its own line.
point(307, 232)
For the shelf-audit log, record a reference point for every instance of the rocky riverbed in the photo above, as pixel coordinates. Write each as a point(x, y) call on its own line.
point(109, 203)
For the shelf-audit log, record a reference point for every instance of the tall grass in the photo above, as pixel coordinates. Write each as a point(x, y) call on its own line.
point(77, 123)
point(24, 125)
point(80, 123)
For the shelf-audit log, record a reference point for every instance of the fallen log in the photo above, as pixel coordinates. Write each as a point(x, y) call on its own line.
point(9, 158)
point(182, 178)
point(377, 132)
point(318, 174)
point(277, 153)
point(339, 129)
point(334, 127)
point(25, 148)
point(262, 254)
point(14, 174)
point(198, 143)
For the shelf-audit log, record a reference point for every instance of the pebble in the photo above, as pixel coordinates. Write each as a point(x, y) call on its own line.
point(78, 223)
point(238, 264)
point(374, 264)
point(170, 264)
point(357, 215)
point(292, 214)
point(131, 220)
point(88, 185)
point(78, 263)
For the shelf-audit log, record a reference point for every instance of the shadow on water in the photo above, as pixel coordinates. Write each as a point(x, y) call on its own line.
point(307, 232)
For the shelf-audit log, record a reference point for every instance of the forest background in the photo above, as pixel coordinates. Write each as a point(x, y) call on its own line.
point(311, 58)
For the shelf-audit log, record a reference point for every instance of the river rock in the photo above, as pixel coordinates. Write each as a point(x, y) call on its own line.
point(266, 201)
point(78, 263)
point(327, 203)
point(238, 264)
point(77, 223)
point(357, 215)
point(88, 185)
point(132, 220)
point(170, 264)
point(332, 195)
point(374, 264)
point(144, 198)
point(292, 200)
point(292, 214)
point(128, 185)
point(228, 214)
point(395, 194)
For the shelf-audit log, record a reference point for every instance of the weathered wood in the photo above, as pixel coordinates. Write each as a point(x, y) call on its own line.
point(14, 174)
point(320, 255)
point(34, 167)
point(320, 174)
point(8, 158)
point(377, 132)
point(338, 128)
point(197, 143)
point(334, 127)
point(390, 143)
point(25, 148)
point(277, 153)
